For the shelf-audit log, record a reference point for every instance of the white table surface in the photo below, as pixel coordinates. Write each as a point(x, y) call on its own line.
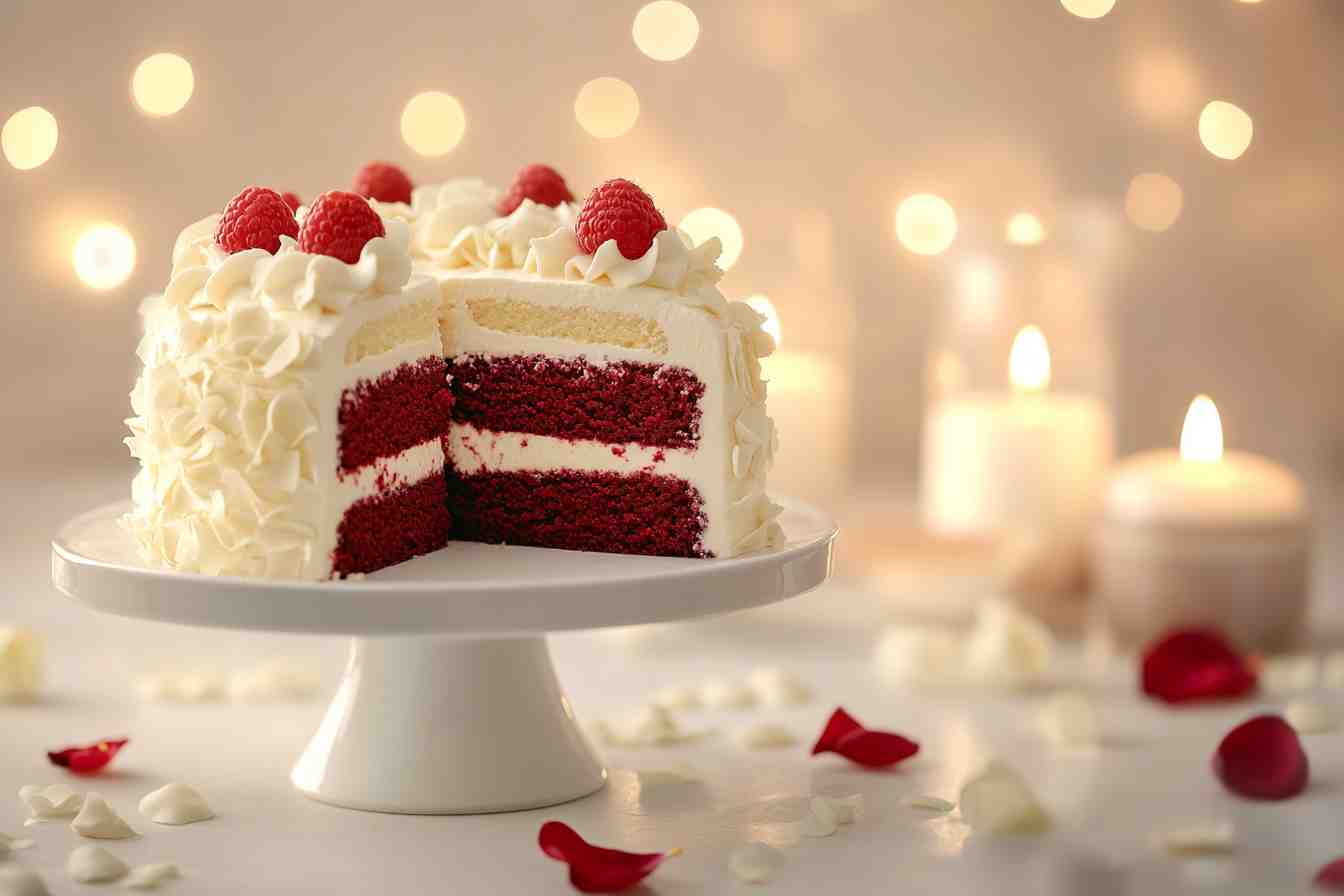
point(1151, 773)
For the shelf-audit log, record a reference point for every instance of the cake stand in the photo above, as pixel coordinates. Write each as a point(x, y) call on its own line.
point(449, 703)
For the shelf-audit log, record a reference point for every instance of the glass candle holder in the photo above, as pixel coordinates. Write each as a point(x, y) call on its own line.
point(1018, 426)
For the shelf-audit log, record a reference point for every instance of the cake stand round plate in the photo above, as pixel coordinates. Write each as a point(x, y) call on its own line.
point(449, 703)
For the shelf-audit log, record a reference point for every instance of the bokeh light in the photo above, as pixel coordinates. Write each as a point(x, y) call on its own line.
point(29, 137)
point(766, 308)
point(926, 224)
point(1088, 9)
point(433, 122)
point(606, 107)
point(1025, 229)
point(1153, 201)
point(104, 256)
point(704, 223)
point(1225, 129)
point(665, 30)
point(162, 84)
point(1163, 84)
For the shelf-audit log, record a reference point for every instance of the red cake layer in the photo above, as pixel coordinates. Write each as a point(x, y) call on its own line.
point(639, 513)
point(385, 529)
point(649, 404)
point(399, 410)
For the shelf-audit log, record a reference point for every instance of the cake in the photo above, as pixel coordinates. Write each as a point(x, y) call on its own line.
point(508, 368)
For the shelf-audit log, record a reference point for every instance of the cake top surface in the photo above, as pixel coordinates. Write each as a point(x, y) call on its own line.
point(455, 226)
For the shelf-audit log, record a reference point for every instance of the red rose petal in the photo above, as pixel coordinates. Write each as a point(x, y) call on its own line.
point(595, 869)
point(87, 760)
point(1263, 759)
point(844, 736)
point(1331, 876)
point(1188, 665)
point(841, 724)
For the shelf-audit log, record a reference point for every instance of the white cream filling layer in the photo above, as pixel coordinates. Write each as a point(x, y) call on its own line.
point(387, 474)
point(474, 450)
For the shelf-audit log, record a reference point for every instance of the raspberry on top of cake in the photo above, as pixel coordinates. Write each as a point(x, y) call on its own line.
point(261, 357)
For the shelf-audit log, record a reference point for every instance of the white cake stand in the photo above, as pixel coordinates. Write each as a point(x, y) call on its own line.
point(449, 703)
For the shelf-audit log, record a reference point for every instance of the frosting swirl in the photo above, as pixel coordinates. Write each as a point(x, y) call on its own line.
point(670, 263)
point(503, 242)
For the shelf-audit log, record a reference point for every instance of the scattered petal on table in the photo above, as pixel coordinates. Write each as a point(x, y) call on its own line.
point(1262, 758)
point(87, 760)
point(595, 869)
point(1190, 665)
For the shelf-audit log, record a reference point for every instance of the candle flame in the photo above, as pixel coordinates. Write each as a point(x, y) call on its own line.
point(1029, 361)
point(1202, 434)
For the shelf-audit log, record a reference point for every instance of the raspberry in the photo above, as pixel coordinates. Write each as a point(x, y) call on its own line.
point(619, 210)
point(383, 181)
point(255, 219)
point(540, 183)
point(339, 224)
point(292, 200)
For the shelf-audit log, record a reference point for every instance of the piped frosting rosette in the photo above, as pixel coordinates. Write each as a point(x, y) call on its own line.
point(671, 262)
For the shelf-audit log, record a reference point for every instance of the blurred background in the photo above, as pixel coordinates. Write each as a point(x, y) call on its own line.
point(861, 160)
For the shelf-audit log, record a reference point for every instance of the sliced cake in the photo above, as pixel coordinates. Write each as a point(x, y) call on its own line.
point(606, 395)
point(293, 398)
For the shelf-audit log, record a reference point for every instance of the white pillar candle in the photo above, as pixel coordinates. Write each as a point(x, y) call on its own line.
point(1024, 466)
point(1202, 538)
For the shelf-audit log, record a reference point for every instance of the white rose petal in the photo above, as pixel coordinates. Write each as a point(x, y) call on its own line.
point(778, 687)
point(931, 804)
point(1202, 838)
point(767, 736)
point(99, 821)
point(1288, 674)
point(719, 693)
point(150, 877)
point(20, 664)
point(999, 801)
point(175, 804)
point(1069, 720)
point(1310, 717)
point(755, 863)
point(95, 865)
point(676, 697)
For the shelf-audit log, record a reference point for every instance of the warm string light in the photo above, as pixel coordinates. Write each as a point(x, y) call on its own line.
point(1153, 201)
point(766, 308)
point(1025, 229)
point(704, 223)
point(665, 30)
point(1225, 129)
point(926, 224)
point(162, 84)
point(104, 256)
point(606, 107)
point(29, 137)
point(1088, 9)
point(1029, 361)
point(433, 122)
point(1202, 433)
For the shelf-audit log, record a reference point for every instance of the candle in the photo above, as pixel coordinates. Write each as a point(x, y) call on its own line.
point(1203, 538)
point(1024, 467)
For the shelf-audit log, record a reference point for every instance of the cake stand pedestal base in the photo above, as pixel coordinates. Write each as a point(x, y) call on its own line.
point(444, 725)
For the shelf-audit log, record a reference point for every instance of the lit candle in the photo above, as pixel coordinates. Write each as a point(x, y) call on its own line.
point(1024, 467)
point(1203, 538)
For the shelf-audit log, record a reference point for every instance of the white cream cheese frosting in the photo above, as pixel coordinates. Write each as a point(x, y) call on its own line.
point(235, 411)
